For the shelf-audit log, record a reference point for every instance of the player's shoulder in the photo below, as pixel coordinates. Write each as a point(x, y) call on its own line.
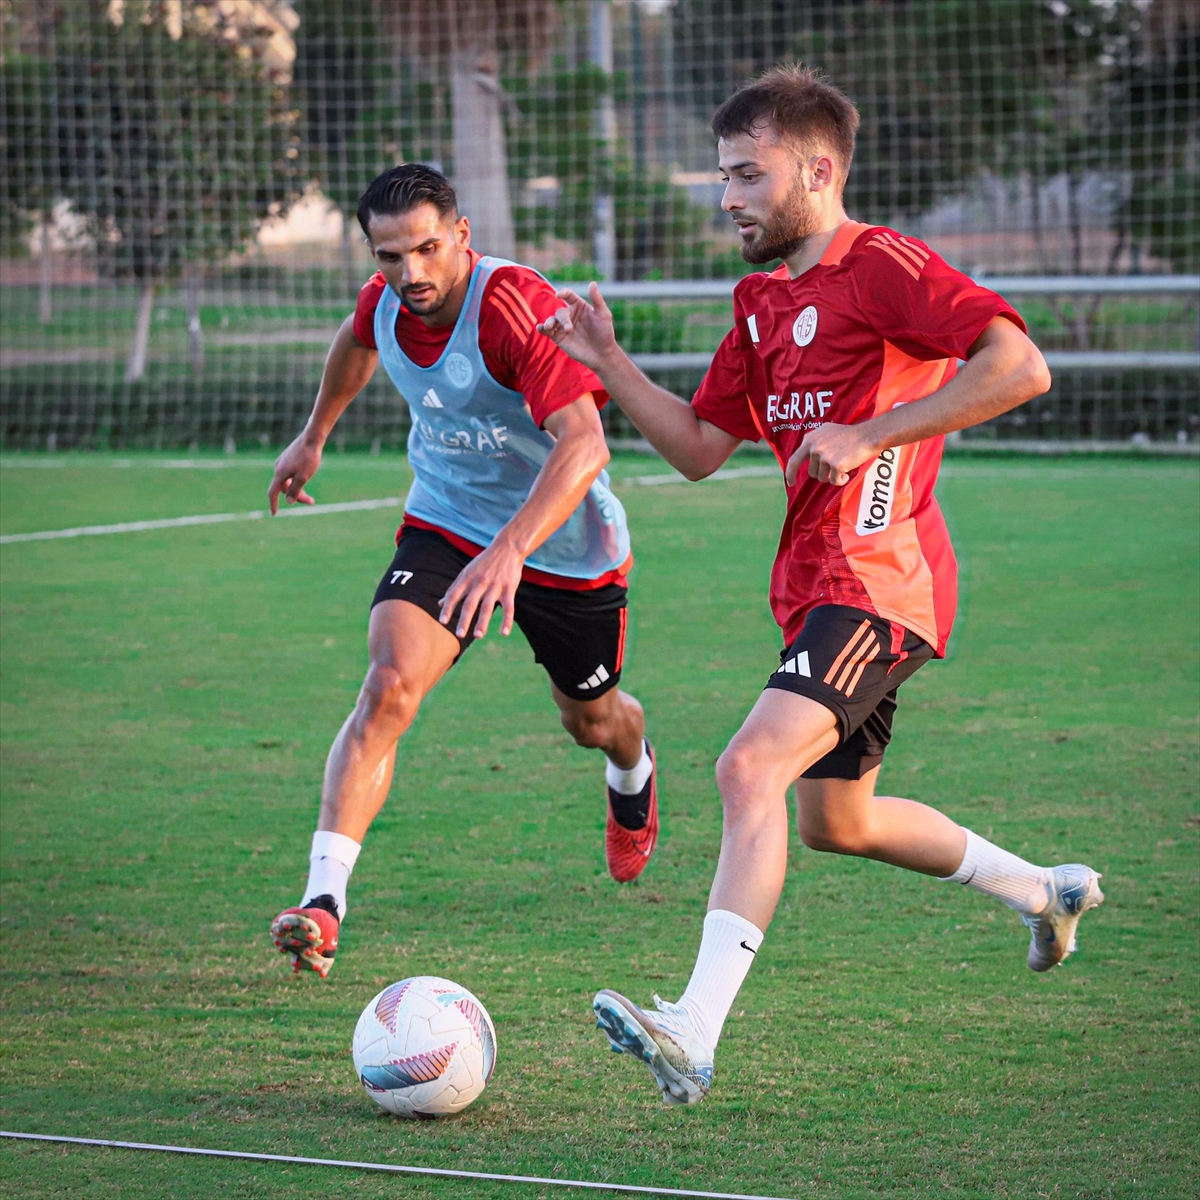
point(517, 275)
point(369, 293)
point(759, 283)
point(880, 248)
point(518, 292)
point(374, 285)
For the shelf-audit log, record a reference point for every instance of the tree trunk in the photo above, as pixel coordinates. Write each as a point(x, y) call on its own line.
point(480, 161)
point(45, 295)
point(349, 224)
point(1035, 213)
point(604, 221)
point(135, 365)
point(191, 304)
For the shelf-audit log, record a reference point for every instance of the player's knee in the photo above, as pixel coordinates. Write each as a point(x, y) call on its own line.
point(587, 727)
point(388, 702)
point(739, 774)
point(819, 832)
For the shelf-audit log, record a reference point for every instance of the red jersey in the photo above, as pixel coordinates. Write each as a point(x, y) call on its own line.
point(880, 321)
point(515, 299)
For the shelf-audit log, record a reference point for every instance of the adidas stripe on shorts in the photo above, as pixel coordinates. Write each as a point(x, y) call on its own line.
point(852, 662)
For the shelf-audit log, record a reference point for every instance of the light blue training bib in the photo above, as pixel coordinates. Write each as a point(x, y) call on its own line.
point(475, 450)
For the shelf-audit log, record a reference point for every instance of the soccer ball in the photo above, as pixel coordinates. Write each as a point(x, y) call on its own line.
point(424, 1047)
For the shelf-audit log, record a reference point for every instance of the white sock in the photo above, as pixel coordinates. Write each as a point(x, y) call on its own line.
point(995, 872)
point(329, 865)
point(630, 782)
point(727, 951)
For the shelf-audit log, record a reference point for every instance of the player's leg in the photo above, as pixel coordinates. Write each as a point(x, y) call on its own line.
point(614, 723)
point(828, 681)
point(783, 735)
point(579, 637)
point(837, 808)
point(844, 816)
point(409, 651)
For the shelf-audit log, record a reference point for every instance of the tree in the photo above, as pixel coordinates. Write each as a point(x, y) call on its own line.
point(176, 142)
point(30, 170)
point(467, 40)
point(1155, 97)
point(553, 134)
point(352, 126)
point(942, 87)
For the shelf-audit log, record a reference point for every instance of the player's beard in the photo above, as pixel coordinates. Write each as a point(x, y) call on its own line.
point(428, 305)
point(789, 227)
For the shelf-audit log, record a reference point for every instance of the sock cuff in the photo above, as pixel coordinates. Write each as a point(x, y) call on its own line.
point(970, 860)
point(745, 930)
point(632, 781)
point(343, 849)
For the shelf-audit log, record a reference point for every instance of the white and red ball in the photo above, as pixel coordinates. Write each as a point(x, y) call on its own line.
point(424, 1047)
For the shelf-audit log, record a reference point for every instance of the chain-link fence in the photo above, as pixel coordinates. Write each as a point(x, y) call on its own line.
point(177, 242)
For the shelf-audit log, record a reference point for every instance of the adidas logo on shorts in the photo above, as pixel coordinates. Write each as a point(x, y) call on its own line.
point(796, 666)
point(595, 679)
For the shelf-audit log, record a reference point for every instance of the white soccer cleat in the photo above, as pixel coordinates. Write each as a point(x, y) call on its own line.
point(665, 1041)
point(1074, 889)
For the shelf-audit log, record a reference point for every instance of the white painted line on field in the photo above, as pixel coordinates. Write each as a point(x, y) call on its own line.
point(316, 510)
point(15, 462)
point(723, 473)
point(637, 1189)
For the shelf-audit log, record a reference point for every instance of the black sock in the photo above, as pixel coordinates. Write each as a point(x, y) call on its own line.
point(325, 901)
point(631, 812)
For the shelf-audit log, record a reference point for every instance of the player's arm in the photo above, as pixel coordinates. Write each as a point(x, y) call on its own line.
point(577, 457)
point(1003, 369)
point(693, 446)
point(349, 366)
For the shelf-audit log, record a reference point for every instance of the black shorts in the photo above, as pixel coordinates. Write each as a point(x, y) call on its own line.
point(852, 662)
point(578, 636)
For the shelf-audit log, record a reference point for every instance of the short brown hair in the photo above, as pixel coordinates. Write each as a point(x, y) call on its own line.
point(799, 103)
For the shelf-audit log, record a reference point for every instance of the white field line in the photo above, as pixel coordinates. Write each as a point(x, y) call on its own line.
point(723, 473)
point(317, 510)
point(637, 1189)
point(15, 463)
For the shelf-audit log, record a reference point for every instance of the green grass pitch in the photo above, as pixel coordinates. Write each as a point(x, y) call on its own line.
point(168, 700)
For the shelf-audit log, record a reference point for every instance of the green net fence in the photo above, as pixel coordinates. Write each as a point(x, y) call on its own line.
point(177, 242)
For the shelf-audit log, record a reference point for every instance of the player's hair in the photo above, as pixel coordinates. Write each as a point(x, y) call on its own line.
point(799, 103)
point(400, 189)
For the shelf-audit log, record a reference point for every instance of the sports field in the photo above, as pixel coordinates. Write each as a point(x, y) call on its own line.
point(168, 700)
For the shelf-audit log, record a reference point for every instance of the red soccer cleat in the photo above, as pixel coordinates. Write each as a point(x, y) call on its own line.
point(309, 935)
point(629, 850)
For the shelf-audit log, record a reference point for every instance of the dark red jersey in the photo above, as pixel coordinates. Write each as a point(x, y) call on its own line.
point(880, 321)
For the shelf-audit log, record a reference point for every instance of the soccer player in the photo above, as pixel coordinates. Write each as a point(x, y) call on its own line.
point(844, 359)
point(510, 507)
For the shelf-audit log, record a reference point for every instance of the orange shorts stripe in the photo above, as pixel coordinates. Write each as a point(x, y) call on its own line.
point(864, 646)
point(862, 666)
point(621, 640)
point(841, 658)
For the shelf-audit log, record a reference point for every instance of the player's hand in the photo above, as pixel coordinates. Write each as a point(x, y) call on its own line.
point(293, 469)
point(488, 580)
point(584, 330)
point(831, 452)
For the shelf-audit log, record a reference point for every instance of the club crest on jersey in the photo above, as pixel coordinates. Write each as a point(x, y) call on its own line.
point(805, 327)
point(459, 370)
